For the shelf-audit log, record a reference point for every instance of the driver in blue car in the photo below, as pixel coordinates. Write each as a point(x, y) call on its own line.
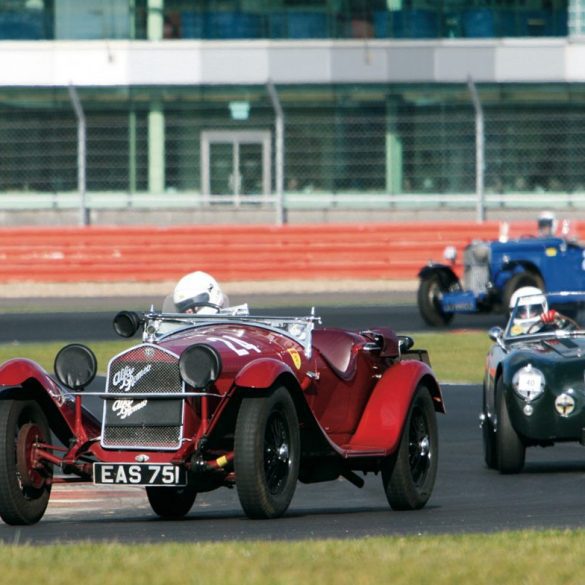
point(532, 313)
point(199, 293)
point(547, 224)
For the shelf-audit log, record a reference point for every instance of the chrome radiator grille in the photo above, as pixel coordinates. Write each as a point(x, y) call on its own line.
point(137, 423)
point(476, 267)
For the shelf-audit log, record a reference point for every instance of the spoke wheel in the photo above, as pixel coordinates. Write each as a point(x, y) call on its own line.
point(25, 483)
point(171, 502)
point(267, 454)
point(409, 476)
point(429, 295)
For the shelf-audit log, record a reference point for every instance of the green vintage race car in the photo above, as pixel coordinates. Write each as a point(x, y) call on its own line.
point(534, 386)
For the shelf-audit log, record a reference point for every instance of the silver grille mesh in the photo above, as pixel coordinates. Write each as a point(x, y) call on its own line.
point(476, 267)
point(138, 437)
point(138, 423)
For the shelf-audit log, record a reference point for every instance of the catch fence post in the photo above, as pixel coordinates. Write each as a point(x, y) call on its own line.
point(81, 155)
point(279, 157)
point(479, 151)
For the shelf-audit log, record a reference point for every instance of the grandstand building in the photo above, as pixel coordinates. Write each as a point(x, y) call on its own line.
point(312, 104)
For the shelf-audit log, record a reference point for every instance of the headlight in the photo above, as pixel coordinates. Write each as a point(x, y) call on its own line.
point(200, 365)
point(450, 254)
point(481, 253)
point(75, 366)
point(528, 383)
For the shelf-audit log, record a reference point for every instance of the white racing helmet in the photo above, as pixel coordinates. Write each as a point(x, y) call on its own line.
point(547, 223)
point(197, 288)
point(527, 304)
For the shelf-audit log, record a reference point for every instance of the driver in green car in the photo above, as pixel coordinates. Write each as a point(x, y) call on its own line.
point(532, 314)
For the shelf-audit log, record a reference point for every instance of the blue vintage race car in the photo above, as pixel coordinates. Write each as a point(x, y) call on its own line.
point(492, 271)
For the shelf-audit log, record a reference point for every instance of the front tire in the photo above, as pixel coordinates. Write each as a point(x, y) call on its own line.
point(267, 454)
point(409, 479)
point(25, 486)
point(171, 502)
point(429, 294)
point(511, 451)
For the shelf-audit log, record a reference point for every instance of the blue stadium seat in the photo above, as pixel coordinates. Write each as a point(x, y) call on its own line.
point(21, 26)
point(220, 25)
point(192, 25)
point(479, 23)
point(298, 25)
point(406, 24)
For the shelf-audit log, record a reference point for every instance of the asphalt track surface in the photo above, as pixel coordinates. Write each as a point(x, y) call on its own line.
point(468, 497)
point(76, 325)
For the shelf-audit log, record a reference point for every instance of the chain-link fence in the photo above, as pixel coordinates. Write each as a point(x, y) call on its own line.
point(343, 147)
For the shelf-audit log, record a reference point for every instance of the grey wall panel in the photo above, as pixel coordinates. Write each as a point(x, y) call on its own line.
point(223, 63)
point(410, 62)
point(458, 63)
point(359, 64)
point(310, 63)
point(142, 62)
point(524, 63)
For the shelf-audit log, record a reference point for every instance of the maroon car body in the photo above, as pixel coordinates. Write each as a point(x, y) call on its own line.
point(225, 400)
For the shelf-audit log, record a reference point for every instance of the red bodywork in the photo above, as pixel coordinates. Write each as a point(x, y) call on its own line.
point(352, 392)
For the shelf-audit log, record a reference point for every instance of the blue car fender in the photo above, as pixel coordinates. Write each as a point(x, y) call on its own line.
point(446, 275)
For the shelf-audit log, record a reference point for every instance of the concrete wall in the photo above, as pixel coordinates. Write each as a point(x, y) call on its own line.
point(127, 63)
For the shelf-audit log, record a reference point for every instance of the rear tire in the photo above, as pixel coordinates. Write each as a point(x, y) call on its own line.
point(490, 450)
point(24, 488)
point(409, 476)
point(429, 294)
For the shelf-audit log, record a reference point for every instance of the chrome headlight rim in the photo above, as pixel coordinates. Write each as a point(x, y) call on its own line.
point(528, 383)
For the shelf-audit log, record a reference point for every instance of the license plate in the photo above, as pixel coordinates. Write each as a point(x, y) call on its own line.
point(139, 474)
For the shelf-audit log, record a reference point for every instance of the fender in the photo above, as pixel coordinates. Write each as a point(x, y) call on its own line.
point(512, 268)
point(262, 373)
point(385, 414)
point(16, 375)
point(16, 371)
point(445, 273)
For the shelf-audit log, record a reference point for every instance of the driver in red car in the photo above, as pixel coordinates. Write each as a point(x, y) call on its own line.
point(199, 293)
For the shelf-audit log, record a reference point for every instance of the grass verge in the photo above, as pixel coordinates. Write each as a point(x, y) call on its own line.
point(509, 557)
point(455, 356)
point(44, 353)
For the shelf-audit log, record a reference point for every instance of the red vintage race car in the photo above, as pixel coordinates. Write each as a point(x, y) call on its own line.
point(222, 400)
